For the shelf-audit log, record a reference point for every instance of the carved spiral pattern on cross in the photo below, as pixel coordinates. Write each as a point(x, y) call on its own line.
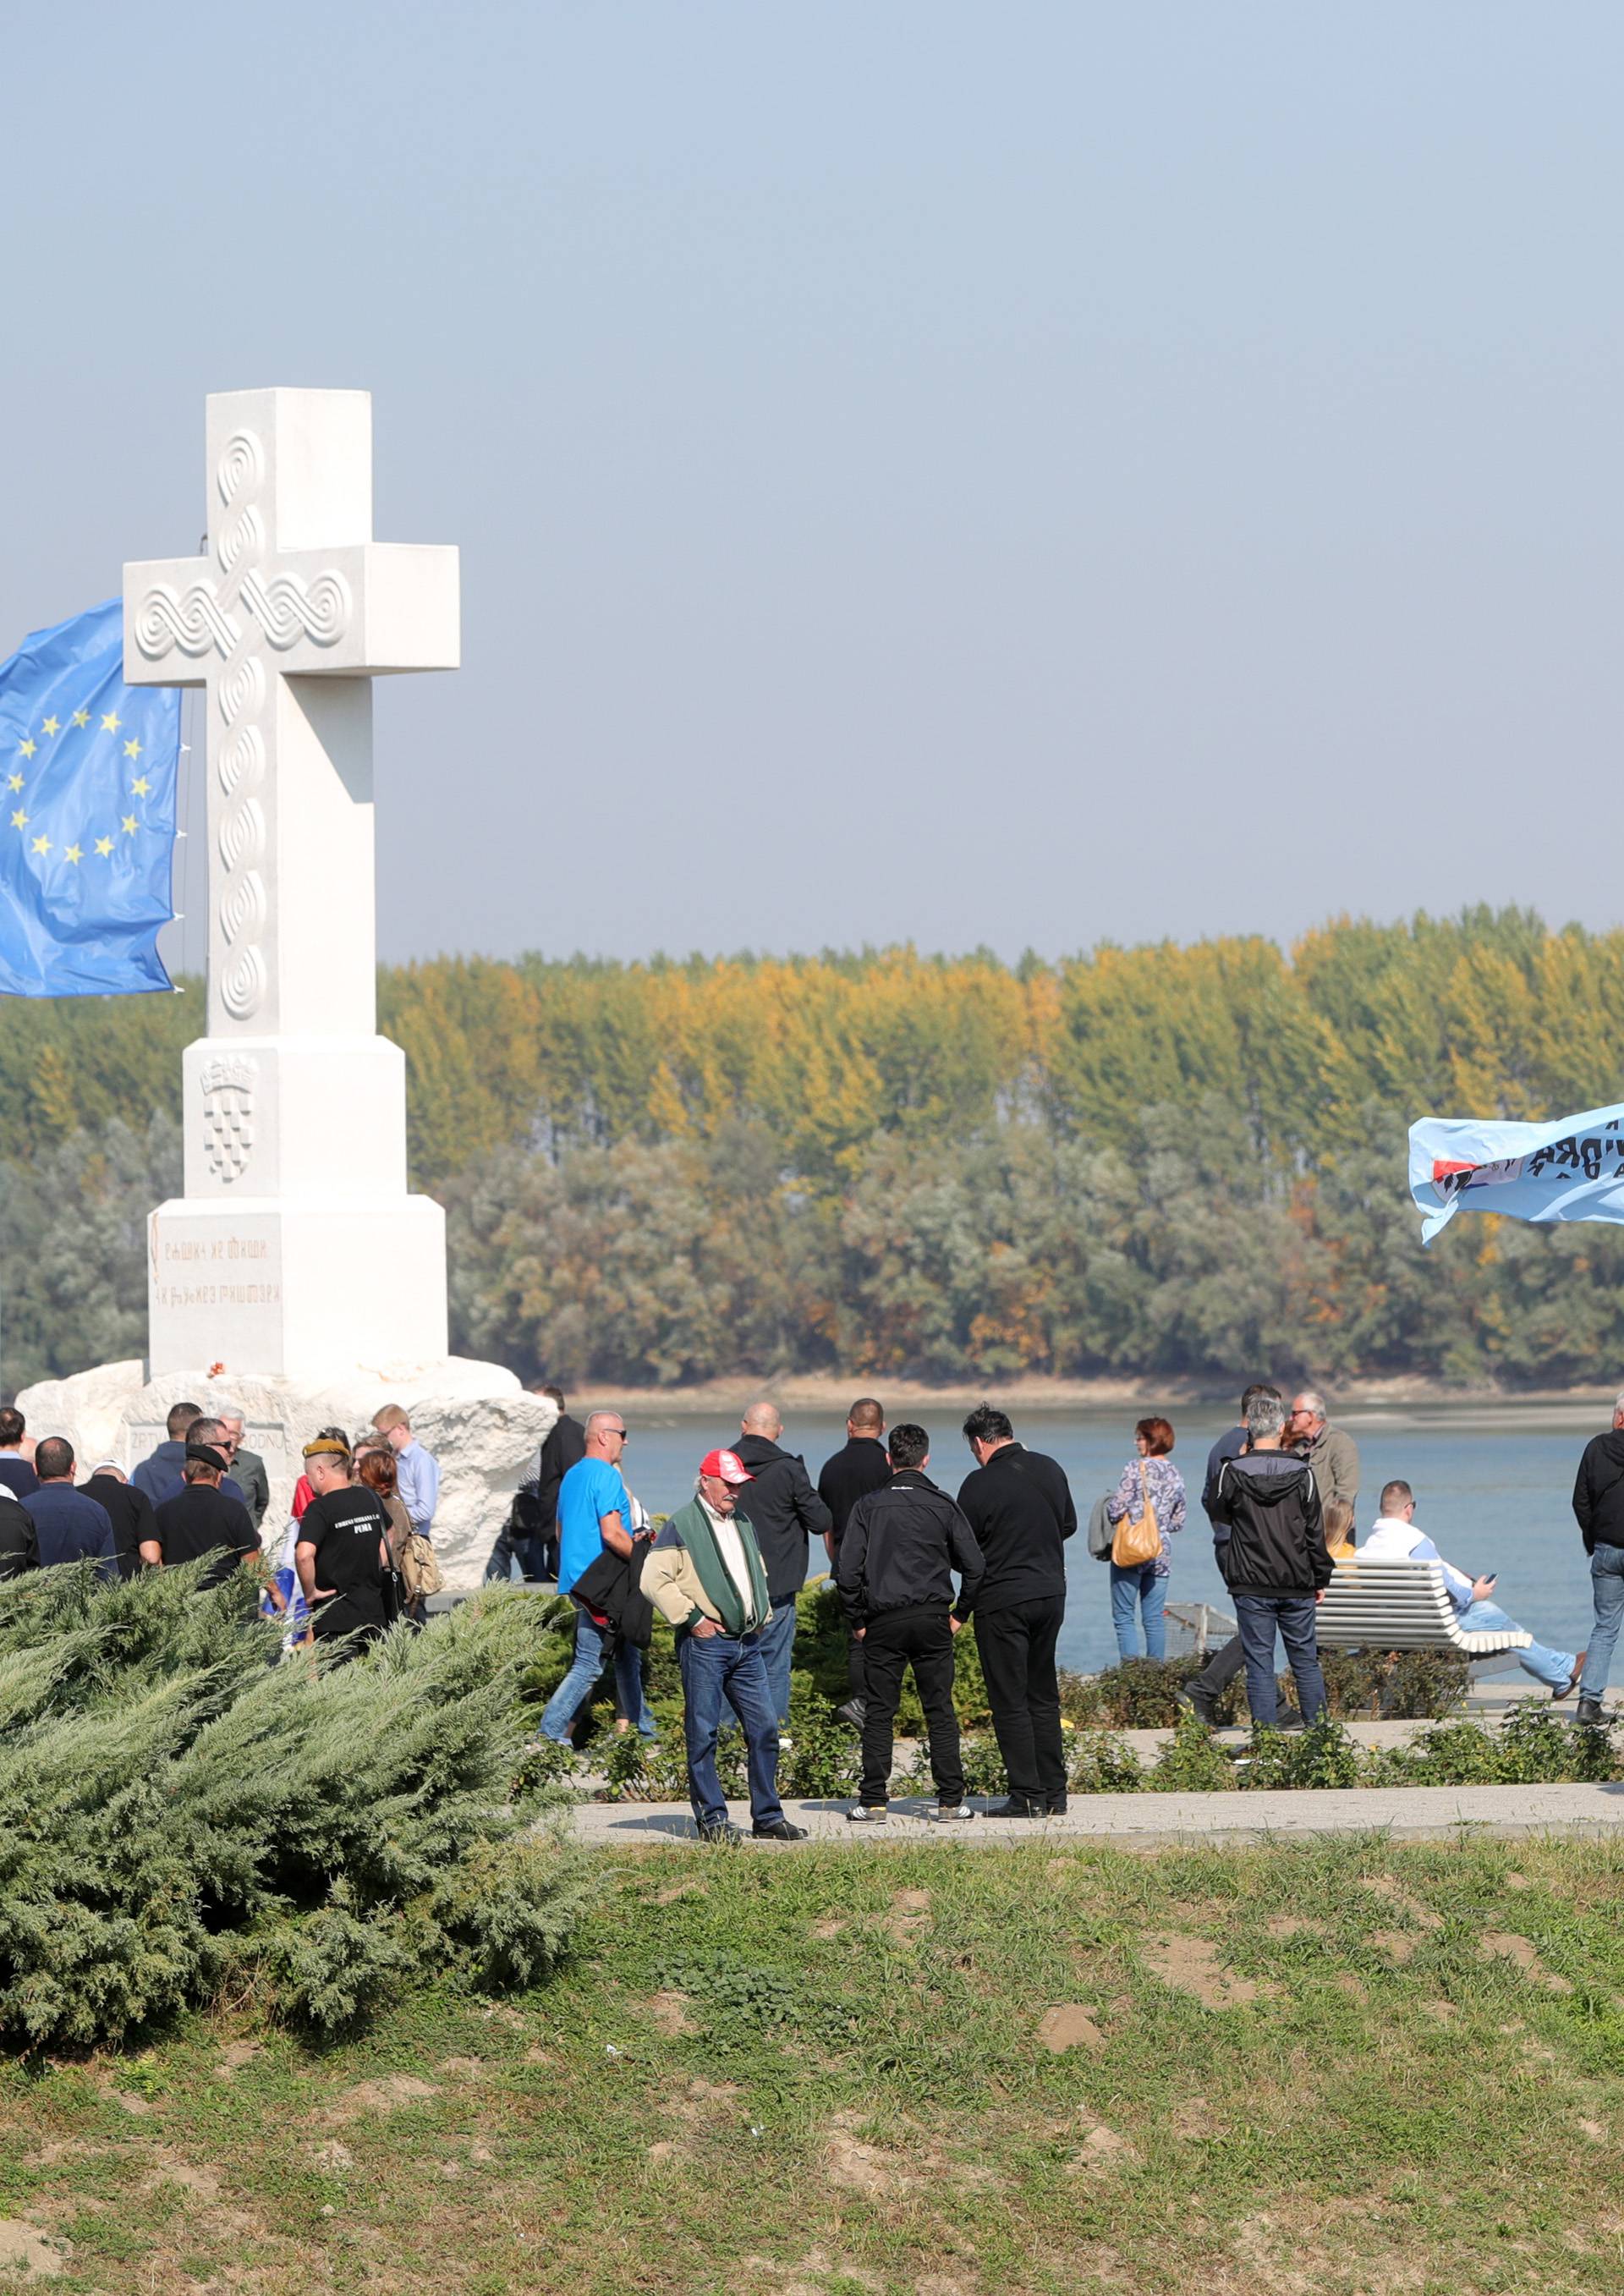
point(288, 611)
point(239, 754)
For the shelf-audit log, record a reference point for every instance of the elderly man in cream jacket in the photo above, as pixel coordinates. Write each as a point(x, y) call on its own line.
point(706, 1576)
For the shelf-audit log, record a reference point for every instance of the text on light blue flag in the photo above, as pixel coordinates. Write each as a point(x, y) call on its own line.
point(87, 773)
point(1569, 1168)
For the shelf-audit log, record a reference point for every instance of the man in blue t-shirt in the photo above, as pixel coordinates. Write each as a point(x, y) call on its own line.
point(594, 1512)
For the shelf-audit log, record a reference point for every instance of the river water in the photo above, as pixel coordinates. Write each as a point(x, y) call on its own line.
point(1492, 1484)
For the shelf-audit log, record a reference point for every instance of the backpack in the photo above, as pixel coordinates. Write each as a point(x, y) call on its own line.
point(419, 1566)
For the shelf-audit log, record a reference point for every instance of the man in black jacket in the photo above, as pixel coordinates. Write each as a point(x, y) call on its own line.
point(530, 1533)
point(1270, 1535)
point(19, 1543)
point(1598, 1504)
point(900, 1547)
point(1203, 1691)
point(130, 1512)
point(785, 1513)
point(1019, 1505)
point(860, 1467)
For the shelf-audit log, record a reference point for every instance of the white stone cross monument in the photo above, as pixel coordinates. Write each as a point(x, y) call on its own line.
point(296, 1279)
point(294, 1121)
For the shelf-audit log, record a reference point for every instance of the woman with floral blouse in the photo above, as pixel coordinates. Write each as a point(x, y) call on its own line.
point(1152, 1476)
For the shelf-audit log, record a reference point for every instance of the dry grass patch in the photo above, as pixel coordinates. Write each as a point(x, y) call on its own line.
point(1505, 1945)
point(1068, 2027)
point(26, 2250)
point(1193, 1965)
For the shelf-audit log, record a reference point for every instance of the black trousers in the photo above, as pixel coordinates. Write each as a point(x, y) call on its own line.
point(1220, 1671)
point(921, 1638)
point(1017, 1651)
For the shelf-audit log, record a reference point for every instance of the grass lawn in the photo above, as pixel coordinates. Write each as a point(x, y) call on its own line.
point(895, 2071)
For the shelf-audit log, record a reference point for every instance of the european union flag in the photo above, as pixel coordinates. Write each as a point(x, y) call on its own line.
point(87, 771)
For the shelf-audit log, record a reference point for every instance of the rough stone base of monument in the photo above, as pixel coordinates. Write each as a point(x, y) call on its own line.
point(481, 1425)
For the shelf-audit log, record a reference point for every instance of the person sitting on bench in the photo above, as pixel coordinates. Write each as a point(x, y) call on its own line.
point(1396, 1539)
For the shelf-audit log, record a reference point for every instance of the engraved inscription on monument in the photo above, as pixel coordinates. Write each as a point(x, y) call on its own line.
point(225, 1270)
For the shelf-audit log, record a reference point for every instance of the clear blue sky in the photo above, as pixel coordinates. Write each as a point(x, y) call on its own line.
point(1017, 474)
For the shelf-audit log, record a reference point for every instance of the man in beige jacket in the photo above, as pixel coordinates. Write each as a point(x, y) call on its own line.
point(706, 1576)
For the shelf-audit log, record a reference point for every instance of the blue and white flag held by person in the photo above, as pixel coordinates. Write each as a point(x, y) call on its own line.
point(87, 771)
point(1569, 1168)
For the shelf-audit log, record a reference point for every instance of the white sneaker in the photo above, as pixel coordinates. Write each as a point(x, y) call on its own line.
point(945, 1810)
point(868, 1813)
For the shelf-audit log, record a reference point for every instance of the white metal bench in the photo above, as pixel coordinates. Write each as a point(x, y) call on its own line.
point(1400, 1605)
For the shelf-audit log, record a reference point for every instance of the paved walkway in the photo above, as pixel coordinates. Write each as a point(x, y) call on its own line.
point(1148, 1820)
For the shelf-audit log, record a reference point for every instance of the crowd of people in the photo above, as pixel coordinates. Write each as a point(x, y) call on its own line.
point(355, 1553)
point(913, 1566)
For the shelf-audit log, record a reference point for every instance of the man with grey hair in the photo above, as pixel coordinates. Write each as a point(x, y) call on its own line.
point(786, 1514)
point(1330, 1451)
point(1269, 1527)
point(1598, 1507)
point(161, 1476)
point(247, 1467)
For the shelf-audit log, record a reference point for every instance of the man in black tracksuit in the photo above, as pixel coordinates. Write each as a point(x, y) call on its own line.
point(1269, 1531)
point(786, 1514)
point(531, 1529)
point(1019, 1505)
point(900, 1548)
point(862, 1465)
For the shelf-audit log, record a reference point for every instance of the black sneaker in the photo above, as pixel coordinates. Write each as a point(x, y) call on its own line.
point(1202, 1705)
point(854, 1711)
point(722, 1830)
point(1015, 1807)
point(782, 1832)
point(1589, 1712)
point(868, 1813)
point(1574, 1680)
point(1058, 1807)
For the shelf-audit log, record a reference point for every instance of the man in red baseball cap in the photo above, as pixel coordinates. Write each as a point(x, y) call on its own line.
point(706, 1576)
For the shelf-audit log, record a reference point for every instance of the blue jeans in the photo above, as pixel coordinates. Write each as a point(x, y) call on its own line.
point(778, 1650)
point(1607, 1593)
point(576, 1686)
point(728, 1668)
point(1553, 1667)
point(1140, 1585)
point(1258, 1617)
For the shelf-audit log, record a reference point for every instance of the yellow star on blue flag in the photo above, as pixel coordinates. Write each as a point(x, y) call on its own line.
point(84, 880)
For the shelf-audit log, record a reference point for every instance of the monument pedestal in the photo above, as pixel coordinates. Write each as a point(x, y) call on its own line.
point(481, 1425)
point(300, 1290)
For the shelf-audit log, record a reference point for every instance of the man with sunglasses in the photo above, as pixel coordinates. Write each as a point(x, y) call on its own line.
point(595, 1512)
point(161, 1476)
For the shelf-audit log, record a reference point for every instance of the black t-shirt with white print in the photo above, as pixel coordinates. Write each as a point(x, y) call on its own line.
point(344, 1527)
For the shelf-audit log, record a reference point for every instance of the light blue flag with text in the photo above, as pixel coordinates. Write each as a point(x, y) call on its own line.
point(1569, 1168)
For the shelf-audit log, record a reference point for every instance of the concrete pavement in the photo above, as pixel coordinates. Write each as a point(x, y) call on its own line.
point(1152, 1820)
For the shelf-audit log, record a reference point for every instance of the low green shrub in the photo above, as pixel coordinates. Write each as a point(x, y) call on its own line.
point(178, 1811)
point(1100, 1763)
point(1322, 1755)
point(1190, 1762)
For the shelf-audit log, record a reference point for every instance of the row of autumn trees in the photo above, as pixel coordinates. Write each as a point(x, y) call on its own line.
point(1186, 1162)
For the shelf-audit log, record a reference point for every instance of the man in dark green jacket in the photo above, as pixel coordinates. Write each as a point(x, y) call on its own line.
point(706, 1576)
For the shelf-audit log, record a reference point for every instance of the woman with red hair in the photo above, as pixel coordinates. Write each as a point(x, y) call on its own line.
point(1151, 1480)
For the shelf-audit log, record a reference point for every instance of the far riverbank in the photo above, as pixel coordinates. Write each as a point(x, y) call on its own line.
point(820, 1392)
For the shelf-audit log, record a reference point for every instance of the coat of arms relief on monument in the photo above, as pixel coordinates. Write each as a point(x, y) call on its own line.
point(228, 1113)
